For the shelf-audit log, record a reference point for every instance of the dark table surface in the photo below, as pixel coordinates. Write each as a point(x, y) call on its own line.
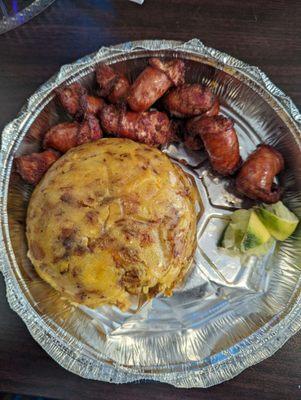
point(264, 33)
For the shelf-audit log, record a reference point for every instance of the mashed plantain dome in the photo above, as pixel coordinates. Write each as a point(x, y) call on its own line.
point(111, 219)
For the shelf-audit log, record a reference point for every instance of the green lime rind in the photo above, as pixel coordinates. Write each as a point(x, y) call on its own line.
point(256, 234)
point(245, 234)
point(262, 249)
point(278, 220)
point(250, 241)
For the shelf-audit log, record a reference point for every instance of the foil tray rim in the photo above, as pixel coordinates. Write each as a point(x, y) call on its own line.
point(73, 358)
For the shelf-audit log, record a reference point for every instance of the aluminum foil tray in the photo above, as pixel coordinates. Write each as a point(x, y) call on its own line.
point(226, 316)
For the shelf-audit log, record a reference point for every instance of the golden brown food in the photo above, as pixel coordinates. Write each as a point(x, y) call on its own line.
point(193, 141)
point(90, 105)
point(33, 166)
point(150, 127)
point(214, 110)
point(190, 100)
point(220, 141)
point(75, 100)
point(154, 81)
point(113, 85)
point(111, 219)
point(255, 179)
point(66, 135)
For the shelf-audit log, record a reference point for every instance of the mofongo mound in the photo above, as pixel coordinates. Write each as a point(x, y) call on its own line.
point(111, 219)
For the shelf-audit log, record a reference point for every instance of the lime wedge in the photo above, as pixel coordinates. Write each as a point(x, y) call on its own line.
point(246, 234)
point(278, 219)
point(256, 234)
point(235, 230)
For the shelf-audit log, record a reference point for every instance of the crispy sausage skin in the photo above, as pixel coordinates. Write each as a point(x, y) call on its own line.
point(152, 127)
point(69, 97)
point(113, 86)
point(193, 141)
point(214, 110)
point(90, 105)
point(190, 100)
point(66, 135)
point(89, 130)
point(220, 141)
point(154, 81)
point(255, 179)
point(62, 137)
point(77, 102)
point(33, 166)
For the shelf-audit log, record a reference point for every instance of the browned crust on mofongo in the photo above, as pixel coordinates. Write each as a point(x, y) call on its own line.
point(111, 219)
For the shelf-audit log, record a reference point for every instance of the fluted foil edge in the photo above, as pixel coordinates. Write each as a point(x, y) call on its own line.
point(256, 347)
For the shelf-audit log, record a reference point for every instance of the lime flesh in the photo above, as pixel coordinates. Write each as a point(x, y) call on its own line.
point(278, 219)
point(246, 234)
point(256, 234)
point(235, 230)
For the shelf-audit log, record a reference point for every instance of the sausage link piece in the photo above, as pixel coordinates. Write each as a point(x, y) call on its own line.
point(193, 141)
point(33, 166)
point(220, 141)
point(255, 179)
point(113, 86)
point(77, 102)
point(154, 81)
point(90, 105)
point(190, 100)
point(152, 127)
point(62, 137)
point(66, 135)
point(89, 130)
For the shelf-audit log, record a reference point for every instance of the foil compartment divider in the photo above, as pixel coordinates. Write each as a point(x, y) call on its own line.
point(75, 359)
